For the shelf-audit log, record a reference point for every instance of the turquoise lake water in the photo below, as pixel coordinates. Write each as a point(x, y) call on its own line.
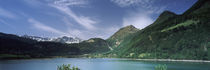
point(97, 64)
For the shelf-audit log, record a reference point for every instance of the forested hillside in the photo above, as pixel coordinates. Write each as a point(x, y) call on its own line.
point(171, 36)
point(12, 46)
point(120, 35)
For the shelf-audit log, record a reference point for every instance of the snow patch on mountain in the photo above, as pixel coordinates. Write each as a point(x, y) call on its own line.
point(63, 39)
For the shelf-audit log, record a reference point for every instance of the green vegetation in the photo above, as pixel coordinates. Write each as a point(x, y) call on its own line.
point(171, 36)
point(67, 67)
point(185, 24)
point(161, 67)
point(12, 46)
point(8, 56)
point(120, 35)
point(143, 55)
point(93, 45)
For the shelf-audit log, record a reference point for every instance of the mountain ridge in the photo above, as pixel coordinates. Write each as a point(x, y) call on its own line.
point(119, 36)
point(184, 36)
point(171, 36)
point(63, 39)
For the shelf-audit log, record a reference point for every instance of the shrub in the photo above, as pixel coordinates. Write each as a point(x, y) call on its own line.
point(67, 67)
point(161, 67)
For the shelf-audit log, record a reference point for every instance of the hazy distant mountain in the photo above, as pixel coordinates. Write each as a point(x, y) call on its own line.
point(13, 46)
point(37, 38)
point(64, 39)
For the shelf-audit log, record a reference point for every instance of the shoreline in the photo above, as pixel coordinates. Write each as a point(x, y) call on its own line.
point(171, 60)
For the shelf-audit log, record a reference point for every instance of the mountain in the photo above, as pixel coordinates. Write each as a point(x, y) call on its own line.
point(94, 45)
point(68, 40)
point(165, 16)
point(120, 35)
point(37, 38)
point(64, 39)
point(13, 46)
point(171, 36)
point(199, 8)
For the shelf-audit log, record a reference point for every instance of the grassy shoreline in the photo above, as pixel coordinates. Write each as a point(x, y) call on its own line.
point(172, 60)
point(82, 56)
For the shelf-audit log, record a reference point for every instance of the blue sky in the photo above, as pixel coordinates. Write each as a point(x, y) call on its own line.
point(82, 18)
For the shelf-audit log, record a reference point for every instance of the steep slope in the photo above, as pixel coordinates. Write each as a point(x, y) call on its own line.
point(165, 16)
point(120, 35)
point(185, 36)
point(94, 45)
point(200, 8)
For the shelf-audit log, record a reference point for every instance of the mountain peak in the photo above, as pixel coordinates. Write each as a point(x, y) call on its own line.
point(201, 6)
point(125, 30)
point(167, 14)
point(164, 16)
point(129, 27)
point(122, 33)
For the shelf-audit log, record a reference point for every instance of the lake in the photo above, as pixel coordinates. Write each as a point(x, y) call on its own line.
point(97, 64)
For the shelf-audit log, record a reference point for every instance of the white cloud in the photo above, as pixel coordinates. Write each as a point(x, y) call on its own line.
point(41, 26)
point(63, 5)
point(138, 20)
point(126, 3)
point(71, 2)
point(142, 15)
point(99, 33)
point(148, 5)
point(67, 21)
point(6, 13)
point(77, 33)
point(109, 31)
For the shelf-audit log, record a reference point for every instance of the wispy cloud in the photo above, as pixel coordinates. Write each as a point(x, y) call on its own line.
point(138, 20)
point(141, 17)
point(126, 3)
point(40, 26)
point(71, 3)
point(147, 5)
point(63, 5)
point(7, 14)
point(99, 33)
